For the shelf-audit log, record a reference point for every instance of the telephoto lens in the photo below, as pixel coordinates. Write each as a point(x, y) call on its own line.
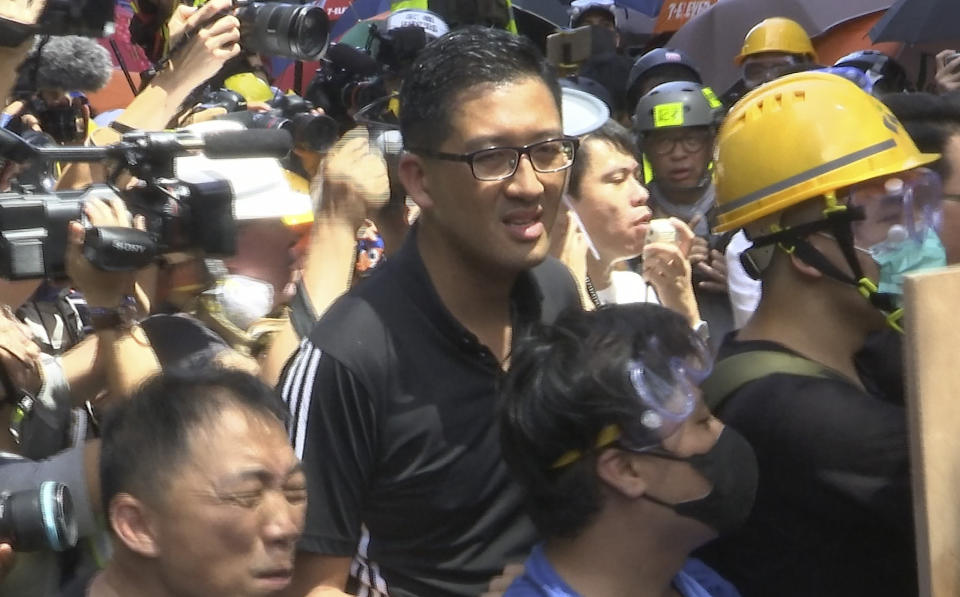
point(294, 31)
point(38, 519)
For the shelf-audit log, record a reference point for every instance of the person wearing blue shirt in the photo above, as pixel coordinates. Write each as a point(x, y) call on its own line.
point(625, 469)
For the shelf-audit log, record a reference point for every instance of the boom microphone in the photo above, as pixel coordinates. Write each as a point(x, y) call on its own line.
point(273, 143)
point(239, 143)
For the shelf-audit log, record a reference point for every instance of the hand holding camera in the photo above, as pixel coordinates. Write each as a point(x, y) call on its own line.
point(19, 354)
point(201, 42)
point(948, 71)
point(100, 288)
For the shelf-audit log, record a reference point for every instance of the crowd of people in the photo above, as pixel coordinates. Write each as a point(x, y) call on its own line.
point(460, 344)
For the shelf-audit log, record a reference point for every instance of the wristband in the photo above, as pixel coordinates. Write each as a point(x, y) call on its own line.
point(122, 317)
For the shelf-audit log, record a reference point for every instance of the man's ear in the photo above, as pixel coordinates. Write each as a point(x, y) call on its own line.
point(620, 471)
point(414, 178)
point(805, 268)
point(131, 521)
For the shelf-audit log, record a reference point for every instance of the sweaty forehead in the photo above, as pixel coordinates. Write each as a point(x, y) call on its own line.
point(508, 113)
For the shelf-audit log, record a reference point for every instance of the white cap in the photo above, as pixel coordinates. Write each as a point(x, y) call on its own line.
point(261, 188)
point(430, 22)
point(582, 112)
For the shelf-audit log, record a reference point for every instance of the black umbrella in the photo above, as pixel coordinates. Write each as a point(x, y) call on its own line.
point(919, 21)
point(712, 38)
point(551, 11)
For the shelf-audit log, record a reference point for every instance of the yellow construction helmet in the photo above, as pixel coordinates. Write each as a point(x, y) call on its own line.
point(776, 34)
point(802, 136)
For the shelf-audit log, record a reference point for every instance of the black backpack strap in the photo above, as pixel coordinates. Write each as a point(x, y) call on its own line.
point(733, 372)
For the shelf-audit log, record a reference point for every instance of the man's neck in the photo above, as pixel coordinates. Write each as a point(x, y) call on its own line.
point(613, 559)
point(810, 326)
point(116, 580)
point(478, 298)
point(681, 196)
point(600, 272)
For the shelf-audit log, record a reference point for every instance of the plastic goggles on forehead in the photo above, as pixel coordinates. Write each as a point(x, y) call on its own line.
point(910, 200)
point(668, 393)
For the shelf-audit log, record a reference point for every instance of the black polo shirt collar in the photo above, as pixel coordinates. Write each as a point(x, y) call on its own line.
point(525, 296)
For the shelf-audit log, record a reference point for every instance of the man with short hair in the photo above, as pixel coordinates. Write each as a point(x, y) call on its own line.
point(771, 48)
point(676, 123)
point(838, 209)
point(658, 66)
point(201, 490)
point(393, 393)
point(597, 13)
point(626, 468)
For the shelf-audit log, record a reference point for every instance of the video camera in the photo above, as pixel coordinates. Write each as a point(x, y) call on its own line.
point(89, 18)
point(181, 214)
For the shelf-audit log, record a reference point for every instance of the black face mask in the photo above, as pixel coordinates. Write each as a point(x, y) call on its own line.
point(731, 468)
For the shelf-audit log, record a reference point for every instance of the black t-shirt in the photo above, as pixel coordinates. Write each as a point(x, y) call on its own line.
point(833, 510)
point(393, 414)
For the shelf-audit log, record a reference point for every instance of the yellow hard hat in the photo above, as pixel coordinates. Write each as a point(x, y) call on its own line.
point(799, 137)
point(776, 34)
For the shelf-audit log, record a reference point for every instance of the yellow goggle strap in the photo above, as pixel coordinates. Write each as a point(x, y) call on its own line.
point(607, 436)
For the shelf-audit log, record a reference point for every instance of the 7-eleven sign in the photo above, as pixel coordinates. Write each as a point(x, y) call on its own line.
point(674, 13)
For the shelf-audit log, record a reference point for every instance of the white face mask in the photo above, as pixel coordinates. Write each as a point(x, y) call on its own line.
point(244, 300)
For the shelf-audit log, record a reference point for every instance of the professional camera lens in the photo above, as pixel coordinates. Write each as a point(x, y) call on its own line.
point(38, 519)
point(289, 30)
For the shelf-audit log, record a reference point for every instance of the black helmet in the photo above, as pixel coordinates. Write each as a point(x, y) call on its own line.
point(590, 86)
point(884, 72)
point(655, 59)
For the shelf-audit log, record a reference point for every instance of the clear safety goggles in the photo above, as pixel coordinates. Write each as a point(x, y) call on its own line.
point(895, 208)
point(667, 389)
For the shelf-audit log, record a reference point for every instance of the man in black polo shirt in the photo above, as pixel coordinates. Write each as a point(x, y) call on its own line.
point(393, 394)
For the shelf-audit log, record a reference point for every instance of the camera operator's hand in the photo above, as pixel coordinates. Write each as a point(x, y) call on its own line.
point(6, 559)
point(948, 71)
point(212, 42)
point(354, 179)
point(11, 169)
point(19, 354)
point(100, 288)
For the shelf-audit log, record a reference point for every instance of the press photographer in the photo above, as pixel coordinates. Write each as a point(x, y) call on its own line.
point(51, 84)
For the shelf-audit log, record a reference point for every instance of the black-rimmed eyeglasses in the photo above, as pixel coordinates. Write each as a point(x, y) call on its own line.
point(499, 163)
